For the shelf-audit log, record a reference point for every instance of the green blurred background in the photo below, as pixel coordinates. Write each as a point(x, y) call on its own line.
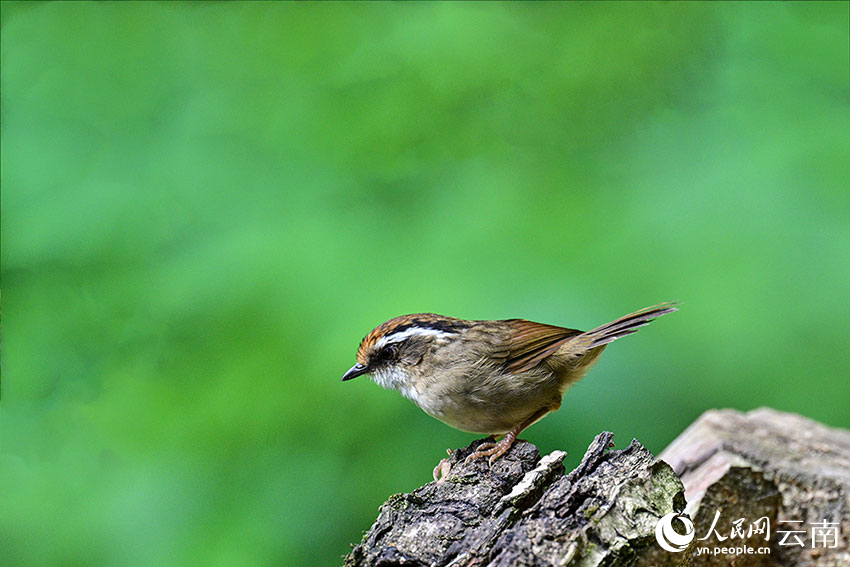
point(205, 206)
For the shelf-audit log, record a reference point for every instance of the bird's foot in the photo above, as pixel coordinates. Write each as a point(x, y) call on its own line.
point(493, 449)
point(443, 468)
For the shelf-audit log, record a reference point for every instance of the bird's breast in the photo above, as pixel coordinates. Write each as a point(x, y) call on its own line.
point(487, 402)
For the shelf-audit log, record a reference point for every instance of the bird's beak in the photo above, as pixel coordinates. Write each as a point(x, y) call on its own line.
point(355, 371)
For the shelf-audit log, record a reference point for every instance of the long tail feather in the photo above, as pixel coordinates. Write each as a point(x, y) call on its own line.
point(629, 324)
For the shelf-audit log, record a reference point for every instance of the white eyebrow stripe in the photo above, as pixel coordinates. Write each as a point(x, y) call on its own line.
point(407, 333)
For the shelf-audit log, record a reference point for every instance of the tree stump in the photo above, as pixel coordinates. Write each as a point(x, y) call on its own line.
point(790, 469)
point(764, 466)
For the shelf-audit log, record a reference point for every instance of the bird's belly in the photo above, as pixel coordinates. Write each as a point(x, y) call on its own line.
point(483, 423)
point(477, 415)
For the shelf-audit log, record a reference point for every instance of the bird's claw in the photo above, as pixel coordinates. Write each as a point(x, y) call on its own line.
point(491, 449)
point(443, 468)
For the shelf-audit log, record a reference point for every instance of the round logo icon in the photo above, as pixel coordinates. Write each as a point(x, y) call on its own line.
point(670, 539)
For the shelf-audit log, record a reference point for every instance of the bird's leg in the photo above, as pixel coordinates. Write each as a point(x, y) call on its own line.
point(495, 450)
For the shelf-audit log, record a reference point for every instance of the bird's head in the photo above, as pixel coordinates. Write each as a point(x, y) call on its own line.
point(392, 352)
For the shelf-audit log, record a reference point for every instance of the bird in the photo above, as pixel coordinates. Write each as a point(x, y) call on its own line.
point(493, 377)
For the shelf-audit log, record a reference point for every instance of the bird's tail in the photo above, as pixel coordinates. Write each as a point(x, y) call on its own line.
point(628, 324)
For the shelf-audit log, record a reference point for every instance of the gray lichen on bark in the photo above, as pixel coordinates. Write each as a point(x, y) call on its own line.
point(525, 511)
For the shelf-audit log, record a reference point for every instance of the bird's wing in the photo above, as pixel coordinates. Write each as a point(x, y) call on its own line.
point(530, 343)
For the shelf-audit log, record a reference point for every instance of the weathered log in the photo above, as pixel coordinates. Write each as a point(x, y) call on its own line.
point(765, 463)
point(525, 511)
point(760, 475)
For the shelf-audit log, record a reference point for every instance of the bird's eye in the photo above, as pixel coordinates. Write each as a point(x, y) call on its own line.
point(390, 352)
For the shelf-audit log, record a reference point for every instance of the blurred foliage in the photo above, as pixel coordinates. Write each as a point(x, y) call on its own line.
point(205, 206)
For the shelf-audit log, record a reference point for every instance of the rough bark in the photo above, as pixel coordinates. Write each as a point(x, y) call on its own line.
point(525, 511)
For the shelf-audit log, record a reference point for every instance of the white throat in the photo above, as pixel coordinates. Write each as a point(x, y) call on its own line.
point(393, 378)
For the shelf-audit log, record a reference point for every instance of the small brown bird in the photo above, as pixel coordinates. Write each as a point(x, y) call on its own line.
point(492, 377)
